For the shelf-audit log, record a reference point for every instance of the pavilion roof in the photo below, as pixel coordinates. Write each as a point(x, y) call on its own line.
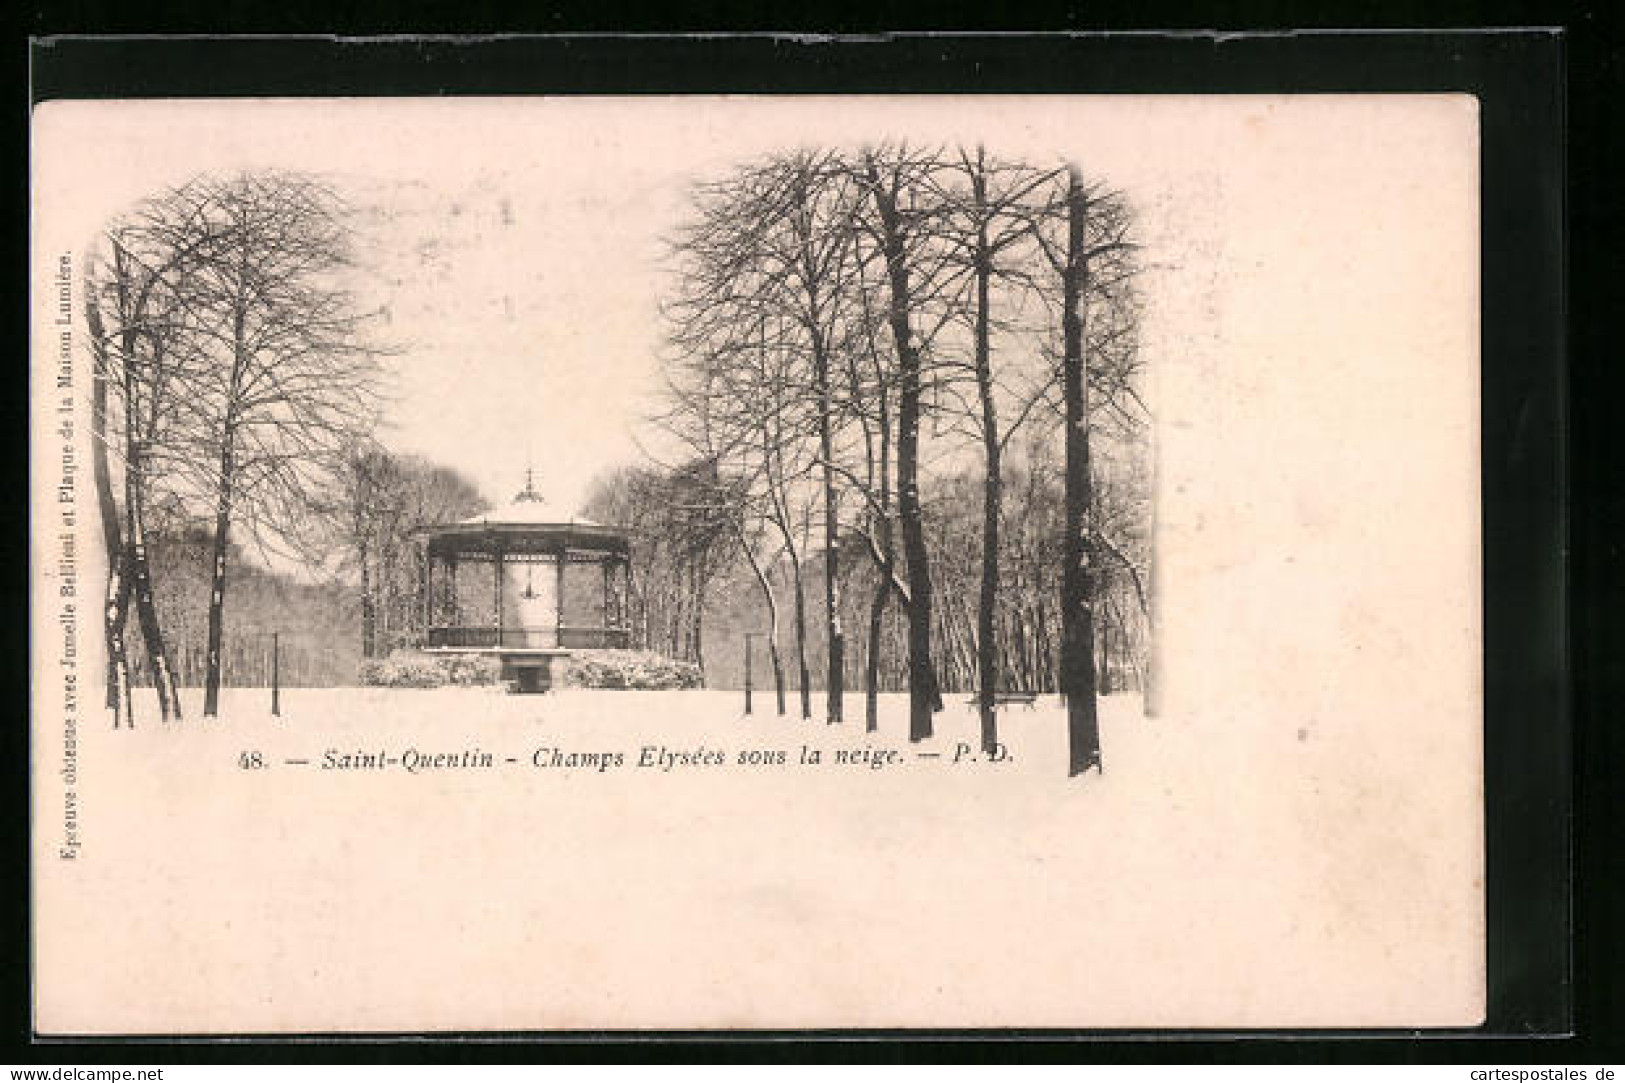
point(527, 522)
point(527, 511)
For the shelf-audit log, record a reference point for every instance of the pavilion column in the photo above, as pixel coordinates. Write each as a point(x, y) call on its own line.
point(623, 602)
point(451, 590)
point(607, 620)
point(428, 593)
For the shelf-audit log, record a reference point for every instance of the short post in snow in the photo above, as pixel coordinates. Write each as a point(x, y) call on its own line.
point(749, 636)
point(276, 676)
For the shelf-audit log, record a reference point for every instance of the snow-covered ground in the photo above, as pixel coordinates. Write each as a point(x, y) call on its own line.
point(1217, 875)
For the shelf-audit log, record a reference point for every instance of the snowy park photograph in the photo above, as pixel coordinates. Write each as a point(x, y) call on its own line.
point(555, 564)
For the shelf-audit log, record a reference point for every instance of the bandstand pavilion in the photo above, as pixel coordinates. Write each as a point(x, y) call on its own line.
point(527, 584)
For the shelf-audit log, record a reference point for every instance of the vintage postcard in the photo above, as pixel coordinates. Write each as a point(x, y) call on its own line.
point(651, 563)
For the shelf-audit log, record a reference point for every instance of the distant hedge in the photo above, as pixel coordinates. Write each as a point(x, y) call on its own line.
point(629, 670)
point(416, 669)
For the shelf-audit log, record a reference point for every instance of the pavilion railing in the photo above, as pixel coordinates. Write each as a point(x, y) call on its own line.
point(486, 637)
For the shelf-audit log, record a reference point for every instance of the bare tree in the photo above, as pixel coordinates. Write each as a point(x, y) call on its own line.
point(433, 494)
point(1097, 226)
point(681, 533)
point(820, 256)
point(751, 546)
point(844, 327)
point(1077, 635)
point(373, 489)
point(1153, 686)
point(869, 400)
point(989, 233)
point(116, 605)
point(370, 525)
point(141, 340)
point(363, 516)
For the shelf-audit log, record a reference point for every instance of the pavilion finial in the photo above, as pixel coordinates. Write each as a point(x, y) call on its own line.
point(529, 491)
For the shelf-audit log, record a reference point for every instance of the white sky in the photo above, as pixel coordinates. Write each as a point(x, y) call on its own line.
point(519, 240)
point(1312, 326)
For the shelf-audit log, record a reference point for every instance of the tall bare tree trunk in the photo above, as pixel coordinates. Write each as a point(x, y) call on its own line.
point(924, 698)
point(118, 579)
point(1077, 617)
point(781, 519)
point(696, 622)
point(217, 580)
point(1151, 701)
point(1043, 648)
point(803, 674)
point(369, 620)
point(883, 588)
point(777, 659)
point(987, 664)
point(140, 581)
point(119, 698)
point(871, 674)
point(137, 571)
point(423, 609)
point(834, 636)
point(223, 497)
point(772, 601)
